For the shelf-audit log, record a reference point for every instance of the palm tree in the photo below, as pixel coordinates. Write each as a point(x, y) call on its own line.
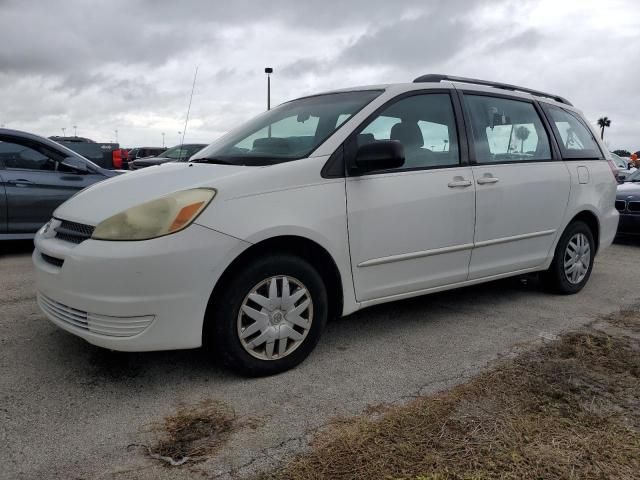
point(522, 133)
point(603, 122)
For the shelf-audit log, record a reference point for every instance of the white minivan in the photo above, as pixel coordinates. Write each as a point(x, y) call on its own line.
point(323, 206)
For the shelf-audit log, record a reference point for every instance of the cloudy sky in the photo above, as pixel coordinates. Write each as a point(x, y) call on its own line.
point(129, 64)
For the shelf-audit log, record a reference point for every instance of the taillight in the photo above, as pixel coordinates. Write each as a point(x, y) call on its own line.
point(116, 158)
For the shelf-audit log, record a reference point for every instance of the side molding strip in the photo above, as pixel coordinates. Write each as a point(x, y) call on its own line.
point(514, 238)
point(454, 248)
point(412, 255)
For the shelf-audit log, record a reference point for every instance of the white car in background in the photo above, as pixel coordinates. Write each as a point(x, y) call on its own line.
point(323, 206)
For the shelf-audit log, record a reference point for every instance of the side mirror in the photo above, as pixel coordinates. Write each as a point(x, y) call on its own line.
point(379, 155)
point(75, 164)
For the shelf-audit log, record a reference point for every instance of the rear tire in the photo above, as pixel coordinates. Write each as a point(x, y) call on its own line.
point(269, 316)
point(573, 260)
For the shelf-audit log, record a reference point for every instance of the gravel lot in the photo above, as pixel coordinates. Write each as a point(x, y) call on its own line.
point(69, 410)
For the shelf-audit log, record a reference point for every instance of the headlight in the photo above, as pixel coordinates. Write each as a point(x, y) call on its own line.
point(156, 218)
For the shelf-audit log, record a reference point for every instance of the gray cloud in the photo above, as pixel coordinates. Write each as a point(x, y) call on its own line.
point(128, 64)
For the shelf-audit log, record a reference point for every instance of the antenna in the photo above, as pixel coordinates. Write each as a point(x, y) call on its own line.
point(184, 130)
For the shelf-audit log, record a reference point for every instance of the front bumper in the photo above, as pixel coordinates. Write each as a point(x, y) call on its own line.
point(133, 296)
point(629, 224)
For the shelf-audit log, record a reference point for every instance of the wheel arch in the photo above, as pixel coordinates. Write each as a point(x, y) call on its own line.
point(591, 219)
point(302, 247)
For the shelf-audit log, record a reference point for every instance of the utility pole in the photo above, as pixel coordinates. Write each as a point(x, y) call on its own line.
point(268, 71)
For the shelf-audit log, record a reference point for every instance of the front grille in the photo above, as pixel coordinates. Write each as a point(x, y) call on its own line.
point(57, 262)
point(633, 206)
point(91, 322)
point(73, 232)
point(621, 205)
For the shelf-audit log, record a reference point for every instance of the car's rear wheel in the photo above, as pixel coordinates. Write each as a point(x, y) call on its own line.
point(573, 260)
point(269, 316)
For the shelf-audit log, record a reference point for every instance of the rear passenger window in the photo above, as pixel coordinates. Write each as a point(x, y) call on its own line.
point(576, 140)
point(506, 130)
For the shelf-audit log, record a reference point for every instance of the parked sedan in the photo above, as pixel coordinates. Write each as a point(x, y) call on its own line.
point(36, 176)
point(623, 167)
point(628, 204)
point(179, 153)
point(142, 152)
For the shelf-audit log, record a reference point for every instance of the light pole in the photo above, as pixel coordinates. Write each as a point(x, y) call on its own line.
point(268, 71)
point(75, 130)
point(64, 131)
point(116, 132)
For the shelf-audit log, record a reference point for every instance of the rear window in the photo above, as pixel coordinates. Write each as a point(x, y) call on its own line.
point(575, 138)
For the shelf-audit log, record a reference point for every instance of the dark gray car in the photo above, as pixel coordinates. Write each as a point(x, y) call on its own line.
point(37, 175)
point(179, 153)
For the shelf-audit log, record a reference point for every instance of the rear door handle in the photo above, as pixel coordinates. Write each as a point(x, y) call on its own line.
point(485, 180)
point(458, 183)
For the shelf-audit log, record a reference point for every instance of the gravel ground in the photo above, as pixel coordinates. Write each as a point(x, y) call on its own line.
point(69, 410)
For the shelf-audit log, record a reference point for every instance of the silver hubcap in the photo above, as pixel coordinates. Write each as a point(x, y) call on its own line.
point(577, 258)
point(275, 317)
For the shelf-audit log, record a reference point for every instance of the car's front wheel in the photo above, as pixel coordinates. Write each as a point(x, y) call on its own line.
point(269, 316)
point(573, 260)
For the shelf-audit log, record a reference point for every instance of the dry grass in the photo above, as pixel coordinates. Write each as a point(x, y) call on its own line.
point(570, 409)
point(192, 433)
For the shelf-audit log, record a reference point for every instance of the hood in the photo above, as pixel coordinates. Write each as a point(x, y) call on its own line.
point(630, 189)
point(104, 199)
point(147, 161)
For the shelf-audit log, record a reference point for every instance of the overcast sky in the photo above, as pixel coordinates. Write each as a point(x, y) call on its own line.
point(128, 65)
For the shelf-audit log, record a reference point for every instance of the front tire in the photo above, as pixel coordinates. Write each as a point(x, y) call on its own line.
point(573, 260)
point(269, 316)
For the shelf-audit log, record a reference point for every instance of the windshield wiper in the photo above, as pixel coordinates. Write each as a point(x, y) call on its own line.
point(213, 161)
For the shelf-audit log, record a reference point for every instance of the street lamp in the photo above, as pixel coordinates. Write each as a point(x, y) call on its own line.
point(64, 131)
point(75, 130)
point(162, 139)
point(268, 71)
point(116, 131)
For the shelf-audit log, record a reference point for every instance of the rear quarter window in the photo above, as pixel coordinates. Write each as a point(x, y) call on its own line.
point(575, 138)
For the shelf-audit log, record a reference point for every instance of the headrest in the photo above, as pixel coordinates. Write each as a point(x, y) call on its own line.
point(408, 134)
point(365, 138)
point(273, 145)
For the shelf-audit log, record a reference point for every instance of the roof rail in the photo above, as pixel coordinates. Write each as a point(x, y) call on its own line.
point(434, 77)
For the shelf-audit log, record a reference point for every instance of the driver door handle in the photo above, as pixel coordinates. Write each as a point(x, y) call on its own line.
point(459, 182)
point(20, 182)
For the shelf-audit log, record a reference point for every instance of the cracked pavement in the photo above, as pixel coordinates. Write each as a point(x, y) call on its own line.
point(69, 410)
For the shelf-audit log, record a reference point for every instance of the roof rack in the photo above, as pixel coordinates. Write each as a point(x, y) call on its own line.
point(434, 77)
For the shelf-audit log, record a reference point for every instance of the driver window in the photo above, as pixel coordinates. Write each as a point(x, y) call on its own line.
point(424, 124)
point(20, 157)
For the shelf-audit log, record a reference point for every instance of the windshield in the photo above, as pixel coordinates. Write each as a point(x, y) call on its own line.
point(182, 152)
point(633, 177)
point(288, 132)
